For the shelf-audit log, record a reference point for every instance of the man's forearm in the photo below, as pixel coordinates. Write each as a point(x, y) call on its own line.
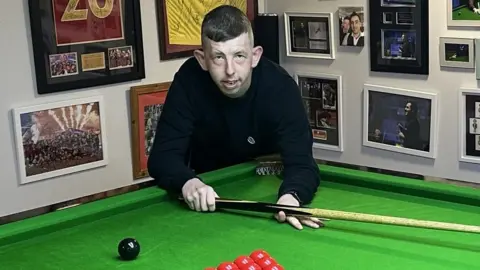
point(301, 179)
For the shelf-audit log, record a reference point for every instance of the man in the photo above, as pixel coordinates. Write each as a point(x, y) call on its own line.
point(356, 37)
point(228, 105)
point(410, 133)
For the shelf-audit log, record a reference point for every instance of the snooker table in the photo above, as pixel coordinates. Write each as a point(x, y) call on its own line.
point(172, 236)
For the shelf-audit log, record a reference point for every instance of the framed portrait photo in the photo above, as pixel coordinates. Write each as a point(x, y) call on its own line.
point(352, 28)
point(60, 138)
point(463, 13)
point(322, 98)
point(79, 44)
point(457, 52)
point(309, 35)
point(179, 24)
point(400, 120)
point(469, 125)
point(146, 105)
point(399, 38)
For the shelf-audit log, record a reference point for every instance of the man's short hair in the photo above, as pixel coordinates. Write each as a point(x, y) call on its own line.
point(224, 23)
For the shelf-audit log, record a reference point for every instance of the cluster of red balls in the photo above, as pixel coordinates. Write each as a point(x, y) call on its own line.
point(258, 260)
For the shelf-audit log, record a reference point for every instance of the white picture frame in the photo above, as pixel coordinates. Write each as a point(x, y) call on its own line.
point(385, 130)
point(312, 36)
point(477, 58)
point(327, 97)
point(452, 52)
point(40, 128)
point(454, 10)
point(473, 129)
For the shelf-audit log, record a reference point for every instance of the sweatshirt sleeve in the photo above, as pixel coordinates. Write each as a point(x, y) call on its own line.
point(295, 141)
point(167, 162)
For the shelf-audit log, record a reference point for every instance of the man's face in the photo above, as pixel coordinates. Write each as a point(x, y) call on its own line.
point(408, 108)
point(230, 63)
point(346, 25)
point(356, 24)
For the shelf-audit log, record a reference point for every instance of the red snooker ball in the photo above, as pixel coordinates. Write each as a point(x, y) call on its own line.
point(266, 261)
point(227, 266)
point(273, 267)
point(243, 260)
point(252, 266)
point(258, 255)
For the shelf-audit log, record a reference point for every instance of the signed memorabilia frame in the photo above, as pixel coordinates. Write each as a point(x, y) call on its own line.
point(83, 116)
point(469, 125)
point(140, 97)
point(169, 51)
point(326, 47)
point(329, 135)
point(457, 52)
point(87, 45)
point(391, 22)
point(389, 125)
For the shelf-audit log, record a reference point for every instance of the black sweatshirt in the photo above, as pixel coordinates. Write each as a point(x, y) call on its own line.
point(202, 130)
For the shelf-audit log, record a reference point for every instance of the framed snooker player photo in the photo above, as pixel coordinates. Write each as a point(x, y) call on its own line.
point(60, 138)
point(322, 98)
point(352, 29)
point(469, 125)
point(146, 105)
point(81, 44)
point(309, 35)
point(463, 13)
point(457, 52)
point(399, 38)
point(400, 120)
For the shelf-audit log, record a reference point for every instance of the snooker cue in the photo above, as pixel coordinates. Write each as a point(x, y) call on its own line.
point(223, 203)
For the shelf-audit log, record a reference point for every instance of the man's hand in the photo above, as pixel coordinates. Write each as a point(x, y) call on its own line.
point(288, 199)
point(198, 195)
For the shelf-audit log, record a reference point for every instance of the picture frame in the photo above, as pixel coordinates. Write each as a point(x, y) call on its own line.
point(461, 14)
point(457, 52)
point(322, 95)
point(399, 36)
point(351, 31)
point(314, 37)
point(48, 136)
point(468, 125)
point(181, 41)
point(477, 58)
point(82, 46)
point(400, 120)
point(145, 100)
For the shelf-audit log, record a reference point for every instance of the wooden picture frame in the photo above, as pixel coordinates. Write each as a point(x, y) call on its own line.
point(322, 96)
point(45, 136)
point(191, 14)
point(399, 36)
point(457, 52)
point(461, 15)
point(87, 45)
point(151, 96)
point(414, 132)
point(469, 125)
point(311, 43)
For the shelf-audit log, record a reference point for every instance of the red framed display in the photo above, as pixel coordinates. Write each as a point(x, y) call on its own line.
point(85, 43)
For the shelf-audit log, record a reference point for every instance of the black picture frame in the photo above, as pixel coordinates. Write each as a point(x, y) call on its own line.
point(388, 20)
point(72, 48)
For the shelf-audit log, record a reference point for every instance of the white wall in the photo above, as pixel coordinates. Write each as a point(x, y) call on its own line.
point(17, 89)
point(354, 66)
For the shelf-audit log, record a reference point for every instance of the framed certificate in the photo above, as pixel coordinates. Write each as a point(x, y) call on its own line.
point(399, 36)
point(80, 43)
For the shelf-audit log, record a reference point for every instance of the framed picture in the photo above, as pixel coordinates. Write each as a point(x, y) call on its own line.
point(309, 35)
point(400, 120)
point(469, 125)
point(351, 30)
point(477, 58)
point(180, 22)
point(463, 13)
point(322, 97)
point(60, 138)
point(399, 38)
point(80, 44)
point(146, 105)
point(457, 52)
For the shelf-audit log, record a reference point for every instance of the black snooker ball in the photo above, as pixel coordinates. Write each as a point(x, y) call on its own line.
point(128, 249)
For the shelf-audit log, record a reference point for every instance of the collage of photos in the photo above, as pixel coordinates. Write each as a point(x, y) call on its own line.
point(351, 22)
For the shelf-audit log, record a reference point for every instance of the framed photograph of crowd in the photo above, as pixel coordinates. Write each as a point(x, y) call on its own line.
point(60, 138)
point(469, 125)
point(322, 98)
point(399, 38)
point(463, 13)
point(80, 44)
point(352, 29)
point(179, 23)
point(146, 105)
point(400, 120)
point(309, 35)
point(457, 52)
